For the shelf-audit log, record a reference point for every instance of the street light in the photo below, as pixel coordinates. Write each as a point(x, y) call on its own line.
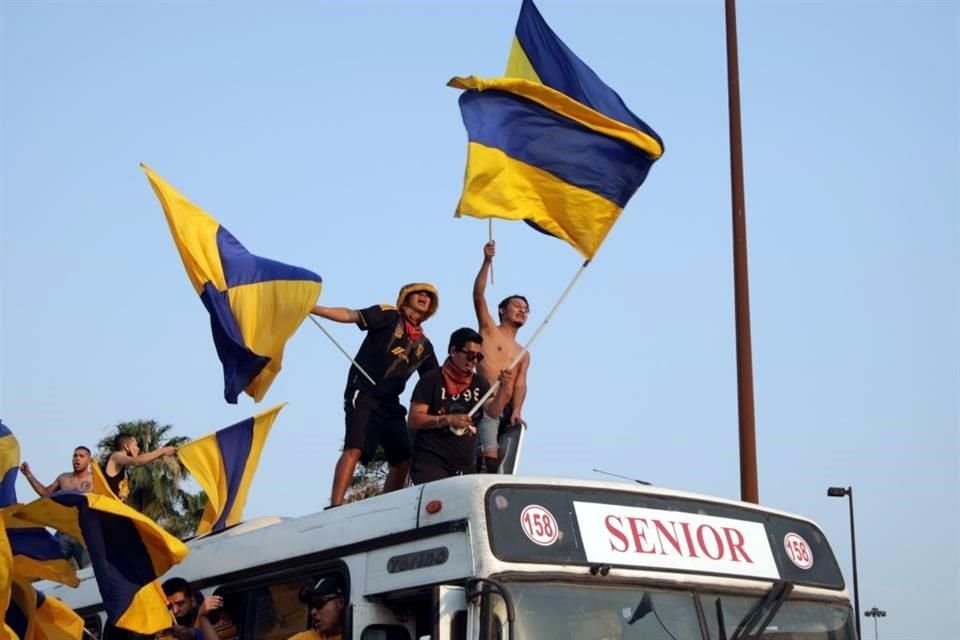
point(875, 613)
point(840, 492)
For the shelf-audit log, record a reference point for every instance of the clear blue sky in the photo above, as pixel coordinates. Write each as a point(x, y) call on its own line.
point(322, 134)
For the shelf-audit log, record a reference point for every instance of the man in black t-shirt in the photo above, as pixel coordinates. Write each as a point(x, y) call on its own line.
point(445, 443)
point(392, 350)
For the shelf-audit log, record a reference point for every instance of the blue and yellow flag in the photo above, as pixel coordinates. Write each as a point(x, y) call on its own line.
point(255, 304)
point(100, 485)
point(128, 551)
point(34, 616)
point(223, 464)
point(9, 465)
point(551, 144)
point(36, 553)
point(6, 583)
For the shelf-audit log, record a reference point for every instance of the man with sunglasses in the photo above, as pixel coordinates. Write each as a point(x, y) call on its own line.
point(445, 443)
point(395, 346)
point(325, 602)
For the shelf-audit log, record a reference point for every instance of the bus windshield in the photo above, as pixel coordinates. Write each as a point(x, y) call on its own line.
point(556, 611)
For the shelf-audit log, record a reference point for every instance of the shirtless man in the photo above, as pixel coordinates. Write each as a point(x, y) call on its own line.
point(500, 347)
point(80, 479)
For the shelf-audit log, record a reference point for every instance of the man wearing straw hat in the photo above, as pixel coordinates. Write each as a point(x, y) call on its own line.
point(394, 347)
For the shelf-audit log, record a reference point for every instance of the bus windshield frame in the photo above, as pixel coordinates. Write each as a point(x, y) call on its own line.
point(561, 610)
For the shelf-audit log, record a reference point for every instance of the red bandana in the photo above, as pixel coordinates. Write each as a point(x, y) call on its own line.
point(414, 332)
point(455, 381)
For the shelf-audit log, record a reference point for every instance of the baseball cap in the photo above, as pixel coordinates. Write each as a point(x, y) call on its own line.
point(321, 589)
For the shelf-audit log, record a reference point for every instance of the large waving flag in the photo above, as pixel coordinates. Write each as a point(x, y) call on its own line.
point(255, 304)
point(36, 553)
point(34, 616)
point(99, 482)
point(9, 465)
point(128, 551)
point(551, 144)
point(6, 583)
point(223, 464)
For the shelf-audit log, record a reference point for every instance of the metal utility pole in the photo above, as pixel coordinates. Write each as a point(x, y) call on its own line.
point(840, 492)
point(749, 491)
point(876, 614)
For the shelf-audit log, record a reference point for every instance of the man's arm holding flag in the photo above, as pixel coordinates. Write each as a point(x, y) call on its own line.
point(337, 314)
point(125, 460)
point(484, 319)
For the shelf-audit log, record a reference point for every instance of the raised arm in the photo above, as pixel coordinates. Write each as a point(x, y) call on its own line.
point(484, 319)
point(122, 459)
point(38, 486)
point(337, 314)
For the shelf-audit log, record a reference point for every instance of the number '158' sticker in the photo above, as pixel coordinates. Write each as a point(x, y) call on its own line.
point(798, 550)
point(539, 525)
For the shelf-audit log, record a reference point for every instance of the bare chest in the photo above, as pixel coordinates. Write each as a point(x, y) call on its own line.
point(71, 482)
point(499, 351)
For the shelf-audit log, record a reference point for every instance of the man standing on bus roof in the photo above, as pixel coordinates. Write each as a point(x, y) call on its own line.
point(80, 479)
point(445, 443)
point(395, 346)
point(325, 602)
point(126, 453)
point(500, 347)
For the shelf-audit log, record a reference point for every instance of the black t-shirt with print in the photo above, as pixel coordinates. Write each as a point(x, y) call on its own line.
point(440, 446)
point(388, 354)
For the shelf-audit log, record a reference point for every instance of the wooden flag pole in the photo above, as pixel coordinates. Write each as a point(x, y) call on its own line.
point(526, 347)
point(343, 351)
point(490, 239)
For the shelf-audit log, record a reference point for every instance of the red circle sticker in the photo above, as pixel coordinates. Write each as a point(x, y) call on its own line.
point(539, 525)
point(798, 550)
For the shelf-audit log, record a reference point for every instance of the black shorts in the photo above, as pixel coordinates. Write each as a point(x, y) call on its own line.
point(505, 418)
point(372, 422)
point(428, 471)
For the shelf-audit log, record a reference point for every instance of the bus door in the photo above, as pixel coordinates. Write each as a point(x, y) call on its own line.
point(374, 621)
point(452, 619)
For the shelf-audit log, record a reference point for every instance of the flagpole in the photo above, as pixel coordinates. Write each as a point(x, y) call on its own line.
point(749, 491)
point(490, 239)
point(526, 347)
point(343, 351)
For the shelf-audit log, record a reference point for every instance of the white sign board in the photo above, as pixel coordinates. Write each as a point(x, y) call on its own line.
point(674, 540)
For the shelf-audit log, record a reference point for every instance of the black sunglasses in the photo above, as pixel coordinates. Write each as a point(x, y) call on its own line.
point(472, 355)
point(320, 603)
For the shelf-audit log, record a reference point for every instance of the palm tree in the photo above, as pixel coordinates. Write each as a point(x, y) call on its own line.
point(368, 479)
point(155, 489)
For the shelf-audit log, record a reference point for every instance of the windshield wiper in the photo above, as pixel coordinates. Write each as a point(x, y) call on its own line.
point(770, 604)
point(644, 607)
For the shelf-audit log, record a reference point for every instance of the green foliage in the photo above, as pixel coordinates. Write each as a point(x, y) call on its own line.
point(368, 479)
point(155, 488)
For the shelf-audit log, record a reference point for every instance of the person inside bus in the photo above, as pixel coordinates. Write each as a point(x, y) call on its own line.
point(445, 440)
point(395, 346)
point(202, 629)
point(183, 602)
point(325, 602)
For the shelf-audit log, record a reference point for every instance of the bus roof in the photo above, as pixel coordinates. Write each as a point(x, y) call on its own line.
point(376, 521)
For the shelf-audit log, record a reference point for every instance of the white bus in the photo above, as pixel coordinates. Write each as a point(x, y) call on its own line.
point(489, 557)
